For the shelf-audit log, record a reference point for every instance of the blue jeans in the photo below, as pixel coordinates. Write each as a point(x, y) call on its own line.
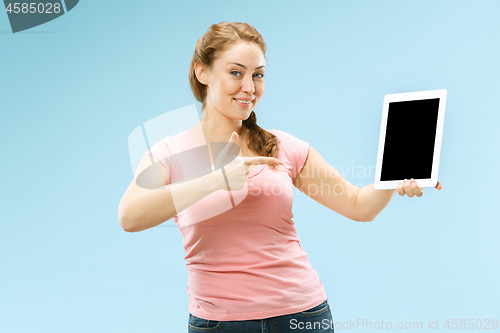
point(315, 320)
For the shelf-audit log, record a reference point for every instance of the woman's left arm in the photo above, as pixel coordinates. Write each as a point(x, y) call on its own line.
point(372, 201)
point(321, 182)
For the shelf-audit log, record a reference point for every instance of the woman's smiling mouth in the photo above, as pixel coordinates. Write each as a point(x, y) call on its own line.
point(243, 103)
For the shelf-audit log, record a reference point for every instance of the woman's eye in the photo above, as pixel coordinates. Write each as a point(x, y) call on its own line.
point(260, 77)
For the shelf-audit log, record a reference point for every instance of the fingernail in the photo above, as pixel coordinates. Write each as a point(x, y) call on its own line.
point(412, 180)
point(233, 135)
point(276, 161)
point(404, 181)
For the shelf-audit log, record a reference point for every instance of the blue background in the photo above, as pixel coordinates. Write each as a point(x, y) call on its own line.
point(74, 88)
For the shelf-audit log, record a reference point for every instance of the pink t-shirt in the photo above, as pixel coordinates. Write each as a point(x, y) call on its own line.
point(243, 254)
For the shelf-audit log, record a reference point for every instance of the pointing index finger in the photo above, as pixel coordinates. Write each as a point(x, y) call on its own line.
point(263, 160)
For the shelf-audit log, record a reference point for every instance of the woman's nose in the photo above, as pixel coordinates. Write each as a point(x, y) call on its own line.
point(248, 85)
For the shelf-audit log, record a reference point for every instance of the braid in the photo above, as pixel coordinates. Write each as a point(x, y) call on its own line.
point(251, 121)
point(260, 140)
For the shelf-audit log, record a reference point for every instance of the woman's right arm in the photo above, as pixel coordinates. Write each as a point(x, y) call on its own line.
point(144, 207)
point(151, 202)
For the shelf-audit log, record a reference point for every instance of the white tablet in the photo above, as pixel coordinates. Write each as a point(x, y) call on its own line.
point(410, 138)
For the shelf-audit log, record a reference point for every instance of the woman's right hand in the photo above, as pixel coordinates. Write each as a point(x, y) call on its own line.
point(236, 168)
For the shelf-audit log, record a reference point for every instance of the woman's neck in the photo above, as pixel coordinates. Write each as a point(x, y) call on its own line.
point(218, 127)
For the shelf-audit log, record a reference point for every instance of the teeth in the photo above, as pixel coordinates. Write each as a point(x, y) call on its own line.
point(246, 102)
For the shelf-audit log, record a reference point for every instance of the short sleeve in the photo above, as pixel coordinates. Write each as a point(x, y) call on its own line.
point(161, 151)
point(294, 150)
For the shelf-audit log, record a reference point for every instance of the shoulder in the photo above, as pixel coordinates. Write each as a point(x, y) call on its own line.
point(172, 144)
point(286, 138)
point(291, 150)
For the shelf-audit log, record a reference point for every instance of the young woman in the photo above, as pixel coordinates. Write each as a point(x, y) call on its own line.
point(247, 270)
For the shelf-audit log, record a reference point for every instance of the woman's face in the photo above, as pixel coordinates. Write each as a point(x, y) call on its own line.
point(238, 74)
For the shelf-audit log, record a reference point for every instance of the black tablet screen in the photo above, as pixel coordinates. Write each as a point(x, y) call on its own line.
point(409, 139)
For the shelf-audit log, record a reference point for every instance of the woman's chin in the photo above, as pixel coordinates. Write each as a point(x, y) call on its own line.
point(242, 114)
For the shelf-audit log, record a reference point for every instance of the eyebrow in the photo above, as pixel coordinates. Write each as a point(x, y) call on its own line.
point(243, 65)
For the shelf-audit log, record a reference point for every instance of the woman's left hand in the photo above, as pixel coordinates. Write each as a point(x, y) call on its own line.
point(411, 188)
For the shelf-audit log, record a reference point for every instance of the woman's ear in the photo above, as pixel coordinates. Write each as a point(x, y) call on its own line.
point(201, 73)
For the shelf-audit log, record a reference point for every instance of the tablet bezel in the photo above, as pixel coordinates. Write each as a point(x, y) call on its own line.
point(412, 96)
